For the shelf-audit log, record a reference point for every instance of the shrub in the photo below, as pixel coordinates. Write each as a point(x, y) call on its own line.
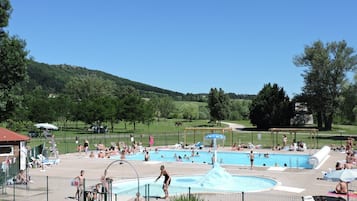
point(187, 198)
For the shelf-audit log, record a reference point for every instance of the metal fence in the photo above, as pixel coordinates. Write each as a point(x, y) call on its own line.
point(67, 144)
point(44, 188)
point(8, 171)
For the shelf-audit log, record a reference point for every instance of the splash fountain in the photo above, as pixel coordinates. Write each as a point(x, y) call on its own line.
point(210, 182)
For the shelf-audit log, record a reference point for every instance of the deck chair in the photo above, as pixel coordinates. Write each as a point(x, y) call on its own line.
point(327, 198)
point(46, 161)
point(199, 145)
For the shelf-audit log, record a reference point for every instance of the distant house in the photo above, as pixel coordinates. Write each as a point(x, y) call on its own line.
point(13, 148)
point(302, 115)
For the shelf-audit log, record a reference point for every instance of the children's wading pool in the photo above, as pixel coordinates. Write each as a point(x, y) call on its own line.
point(216, 180)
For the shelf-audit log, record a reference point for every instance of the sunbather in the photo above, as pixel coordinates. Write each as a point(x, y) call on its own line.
point(341, 187)
point(21, 178)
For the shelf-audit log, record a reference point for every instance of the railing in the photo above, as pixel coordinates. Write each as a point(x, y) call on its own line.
point(44, 188)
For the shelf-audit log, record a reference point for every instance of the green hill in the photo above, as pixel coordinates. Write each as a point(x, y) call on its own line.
point(52, 78)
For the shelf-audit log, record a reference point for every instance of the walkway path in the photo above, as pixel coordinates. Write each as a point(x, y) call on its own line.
point(234, 126)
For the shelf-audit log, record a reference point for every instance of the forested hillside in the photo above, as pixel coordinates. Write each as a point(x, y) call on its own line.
point(52, 78)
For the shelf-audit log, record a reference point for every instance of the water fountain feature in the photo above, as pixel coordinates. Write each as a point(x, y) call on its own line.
point(216, 177)
point(210, 182)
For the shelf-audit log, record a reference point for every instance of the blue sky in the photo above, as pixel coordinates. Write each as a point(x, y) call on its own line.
point(187, 46)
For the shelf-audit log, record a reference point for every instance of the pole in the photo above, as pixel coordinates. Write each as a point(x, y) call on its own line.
point(189, 193)
point(121, 161)
point(47, 187)
point(251, 137)
point(14, 183)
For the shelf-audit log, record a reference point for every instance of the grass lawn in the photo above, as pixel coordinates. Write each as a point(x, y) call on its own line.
point(166, 133)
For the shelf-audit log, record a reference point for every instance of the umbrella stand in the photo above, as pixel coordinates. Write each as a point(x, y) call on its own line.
point(348, 192)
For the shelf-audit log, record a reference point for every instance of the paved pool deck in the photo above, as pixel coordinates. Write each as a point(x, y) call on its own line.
point(292, 182)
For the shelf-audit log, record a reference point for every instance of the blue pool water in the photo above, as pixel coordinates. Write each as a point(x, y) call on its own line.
point(228, 158)
point(216, 180)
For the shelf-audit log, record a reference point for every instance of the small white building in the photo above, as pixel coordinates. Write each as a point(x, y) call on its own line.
point(302, 115)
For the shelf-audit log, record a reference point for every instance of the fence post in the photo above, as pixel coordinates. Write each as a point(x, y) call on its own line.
point(145, 195)
point(242, 196)
point(189, 193)
point(146, 192)
point(14, 183)
point(106, 195)
point(110, 193)
point(46, 186)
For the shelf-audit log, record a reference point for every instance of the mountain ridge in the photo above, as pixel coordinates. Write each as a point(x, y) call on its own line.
point(52, 78)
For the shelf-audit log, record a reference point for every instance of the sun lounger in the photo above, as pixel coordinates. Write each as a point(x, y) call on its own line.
point(46, 161)
point(308, 198)
point(177, 146)
point(199, 145)
point(322, 198)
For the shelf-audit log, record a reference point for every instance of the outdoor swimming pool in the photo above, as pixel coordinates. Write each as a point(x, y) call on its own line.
point(211, 182)
point(228, 158)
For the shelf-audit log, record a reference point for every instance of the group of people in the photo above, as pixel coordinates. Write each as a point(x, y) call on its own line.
point(293, 146)
point(103, 187)
point(350, 162)
point(102, 151)
point(97, 192)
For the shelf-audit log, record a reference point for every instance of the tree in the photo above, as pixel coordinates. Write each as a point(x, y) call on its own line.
point(13, 63)
point(39, 107)
point(148, 112)
point(348, 104)
point(240, 109)
point(132, 108)
point(218, 104)
point(189, 111)
point(271, 107)
point(64, 107)
point(163, 106)
point(87, 92)
point(89, 86)
point(5, 12)
point(327, 67)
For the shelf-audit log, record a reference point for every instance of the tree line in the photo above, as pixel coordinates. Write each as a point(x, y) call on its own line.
point(327, 92)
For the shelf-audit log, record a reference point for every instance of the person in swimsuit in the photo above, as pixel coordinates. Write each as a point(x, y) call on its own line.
point(80, 186)
point(167, 180)
point(251, 157)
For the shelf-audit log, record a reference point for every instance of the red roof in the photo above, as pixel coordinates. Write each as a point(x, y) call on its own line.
point(10, 136)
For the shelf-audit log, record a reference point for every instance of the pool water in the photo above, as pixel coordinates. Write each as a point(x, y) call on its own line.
point(228, 158)
point(216, 180)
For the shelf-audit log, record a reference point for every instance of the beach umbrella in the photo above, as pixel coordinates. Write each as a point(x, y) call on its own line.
point(215, 136)
point(346, 175)
point(46, 126)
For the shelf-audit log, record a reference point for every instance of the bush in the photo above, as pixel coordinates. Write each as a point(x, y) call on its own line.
point(187, 198)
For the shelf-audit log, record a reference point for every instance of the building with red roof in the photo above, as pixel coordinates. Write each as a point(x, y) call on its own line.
point(13, 147)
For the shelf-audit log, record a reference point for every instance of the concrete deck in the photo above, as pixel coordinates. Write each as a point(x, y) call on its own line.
point(293, 183)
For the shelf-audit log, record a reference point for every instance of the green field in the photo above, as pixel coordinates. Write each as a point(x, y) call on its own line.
point(166, 133)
